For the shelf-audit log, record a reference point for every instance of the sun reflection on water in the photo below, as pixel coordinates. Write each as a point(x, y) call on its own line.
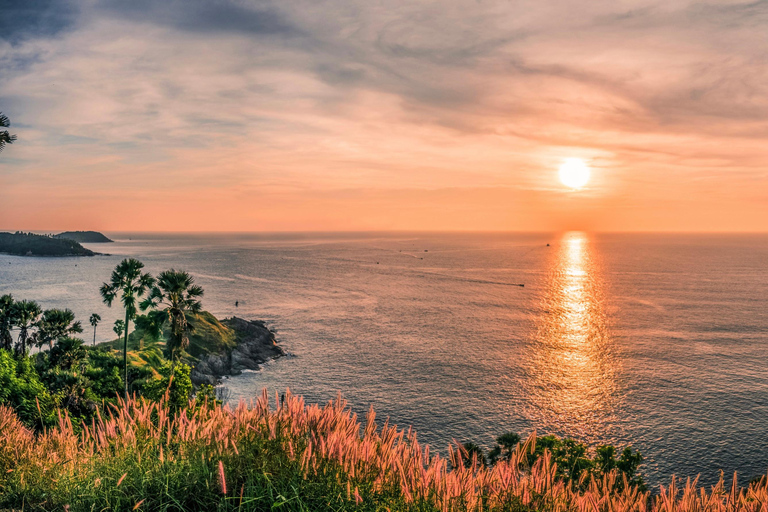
point(572, 365)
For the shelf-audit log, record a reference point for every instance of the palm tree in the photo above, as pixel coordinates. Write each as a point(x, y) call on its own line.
point(130, 283)
point(119, 328)
point(56, 324)
point(5, 137)
point(6, 321)
point(174, 297)
point(95, 319)
point(25, 316)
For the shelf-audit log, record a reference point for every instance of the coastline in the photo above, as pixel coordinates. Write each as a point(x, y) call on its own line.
point(256, 344)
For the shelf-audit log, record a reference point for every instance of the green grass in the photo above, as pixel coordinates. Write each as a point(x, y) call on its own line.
point(209, 335)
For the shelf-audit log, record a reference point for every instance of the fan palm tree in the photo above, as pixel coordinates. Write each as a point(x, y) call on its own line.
point(174, 297)
point(6, 321)
point(95, 319)
point(5, 137)
point(130, 283)
point(25, 316)
point(119, 328)
point(56, 324)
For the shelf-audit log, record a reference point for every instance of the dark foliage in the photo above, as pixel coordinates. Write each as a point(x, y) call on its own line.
point(30, 244)
point(84, 237)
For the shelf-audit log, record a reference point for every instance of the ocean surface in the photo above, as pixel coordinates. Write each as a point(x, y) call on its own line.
point(658, 341)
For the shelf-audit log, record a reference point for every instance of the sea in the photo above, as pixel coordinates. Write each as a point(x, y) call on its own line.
point(656, 341)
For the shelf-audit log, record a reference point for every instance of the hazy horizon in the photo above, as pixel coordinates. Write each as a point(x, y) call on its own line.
point(384, 231)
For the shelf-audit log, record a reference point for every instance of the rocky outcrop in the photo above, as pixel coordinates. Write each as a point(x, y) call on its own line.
point(255, 346)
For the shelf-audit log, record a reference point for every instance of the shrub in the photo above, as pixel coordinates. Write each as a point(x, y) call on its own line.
point(23, 391)
point(174, 386)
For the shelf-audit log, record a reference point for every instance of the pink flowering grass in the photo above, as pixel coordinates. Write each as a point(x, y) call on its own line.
point(140, 456)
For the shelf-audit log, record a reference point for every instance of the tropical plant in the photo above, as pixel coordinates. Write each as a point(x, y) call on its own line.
point(505, 446)
point(173, 387)
point(6, 321)
point(54, 325)
point(118, 328)
point(25, 316)
point(22, 389)
point(68, 354)
point(130, 283)
point(173, 298)
point(95, 319)
point(5, 136)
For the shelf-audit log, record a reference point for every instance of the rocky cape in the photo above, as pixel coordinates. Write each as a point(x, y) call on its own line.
point(32, 244)
point(255, 346)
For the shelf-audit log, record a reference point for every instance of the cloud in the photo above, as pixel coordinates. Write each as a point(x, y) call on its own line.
point(20, 20)
point(331, 95)
point(202, 16)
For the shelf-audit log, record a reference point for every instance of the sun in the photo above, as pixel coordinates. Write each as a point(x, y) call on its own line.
point(574, 173)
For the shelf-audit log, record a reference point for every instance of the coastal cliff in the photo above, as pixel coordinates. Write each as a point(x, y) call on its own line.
point(217, 348)
point(255, 345)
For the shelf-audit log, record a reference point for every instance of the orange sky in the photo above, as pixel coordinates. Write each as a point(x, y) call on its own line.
point(244, 115)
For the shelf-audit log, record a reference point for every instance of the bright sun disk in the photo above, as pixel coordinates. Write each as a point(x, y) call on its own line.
point(574, 173)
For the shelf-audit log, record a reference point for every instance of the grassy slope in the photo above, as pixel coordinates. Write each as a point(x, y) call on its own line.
point(209, 335)
point(294, 457)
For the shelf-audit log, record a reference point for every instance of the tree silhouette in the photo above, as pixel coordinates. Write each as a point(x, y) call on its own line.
point(119, 328)
point(54, 325)
point(95, 319)
point(130, 283)
point(6, 321)
point(5, 136)
point(25, 316)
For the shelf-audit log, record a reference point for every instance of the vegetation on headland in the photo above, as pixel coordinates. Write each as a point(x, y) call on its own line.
point(85, 237)
point(147, 347)
point(30, 244)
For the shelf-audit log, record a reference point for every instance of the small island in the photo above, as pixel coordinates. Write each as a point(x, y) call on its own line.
point(30, 244)
point(84, 237)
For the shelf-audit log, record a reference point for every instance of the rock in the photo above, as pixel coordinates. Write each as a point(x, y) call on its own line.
point(255, 346)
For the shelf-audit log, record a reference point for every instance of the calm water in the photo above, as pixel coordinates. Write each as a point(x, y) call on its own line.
point(655, 340)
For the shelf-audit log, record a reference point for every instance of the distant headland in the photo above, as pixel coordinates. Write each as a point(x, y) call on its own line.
point(30, 244)
point(84, 237)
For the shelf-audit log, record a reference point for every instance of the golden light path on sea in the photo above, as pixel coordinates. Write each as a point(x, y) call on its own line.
point(572, 361)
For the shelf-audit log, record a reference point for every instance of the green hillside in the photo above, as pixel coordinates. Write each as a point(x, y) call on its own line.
point(209, 336)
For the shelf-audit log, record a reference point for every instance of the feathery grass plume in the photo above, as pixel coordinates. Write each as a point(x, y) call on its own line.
point(337, 463)
point(222, 478)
